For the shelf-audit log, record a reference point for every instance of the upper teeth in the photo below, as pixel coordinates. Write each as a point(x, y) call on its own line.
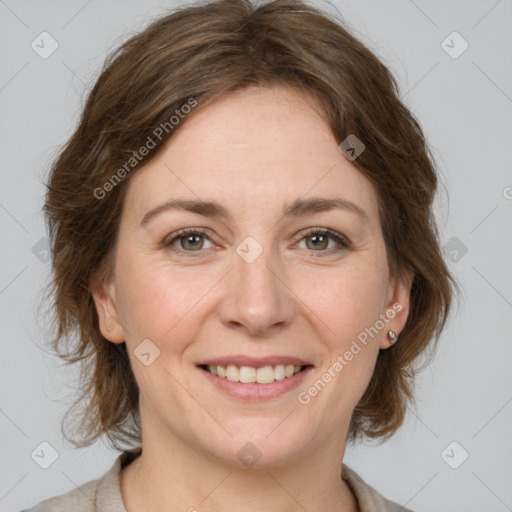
point(248, 374)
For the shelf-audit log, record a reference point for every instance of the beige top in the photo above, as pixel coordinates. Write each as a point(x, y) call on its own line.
point(104, 494)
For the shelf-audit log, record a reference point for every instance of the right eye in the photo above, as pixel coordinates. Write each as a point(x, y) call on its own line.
point(188, 238)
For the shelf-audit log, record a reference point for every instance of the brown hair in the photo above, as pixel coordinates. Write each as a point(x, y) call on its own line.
point(196, 54)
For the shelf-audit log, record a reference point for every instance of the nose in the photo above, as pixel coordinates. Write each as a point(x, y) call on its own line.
point(256, 299)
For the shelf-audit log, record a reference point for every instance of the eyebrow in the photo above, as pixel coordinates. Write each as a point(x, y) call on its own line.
point(299, 208)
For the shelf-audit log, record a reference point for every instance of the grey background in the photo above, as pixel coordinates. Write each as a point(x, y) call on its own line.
point(465, 107)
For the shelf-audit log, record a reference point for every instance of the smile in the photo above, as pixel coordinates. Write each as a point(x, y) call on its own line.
point(249, 374)
point(263, 381)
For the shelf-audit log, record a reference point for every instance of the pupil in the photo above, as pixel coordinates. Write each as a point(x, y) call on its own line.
point(190, 238)
point(317, 237)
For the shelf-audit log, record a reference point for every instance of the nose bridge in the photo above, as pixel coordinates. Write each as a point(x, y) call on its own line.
point(254, 262)
point(256, 298)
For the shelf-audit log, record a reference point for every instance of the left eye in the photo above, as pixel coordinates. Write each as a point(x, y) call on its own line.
point(192, 240)
point(320, 240)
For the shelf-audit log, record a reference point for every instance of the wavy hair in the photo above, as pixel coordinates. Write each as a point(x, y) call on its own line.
point(200, 52)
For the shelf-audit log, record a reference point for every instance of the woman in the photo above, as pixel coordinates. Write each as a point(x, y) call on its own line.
point(243, 240)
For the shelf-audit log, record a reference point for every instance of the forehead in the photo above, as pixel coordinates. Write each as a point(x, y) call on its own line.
point(256, 149)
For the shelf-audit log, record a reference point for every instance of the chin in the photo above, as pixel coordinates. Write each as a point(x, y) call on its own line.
point(258, 445)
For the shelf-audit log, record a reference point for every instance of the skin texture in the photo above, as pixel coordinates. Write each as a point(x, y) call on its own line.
point(253, 151)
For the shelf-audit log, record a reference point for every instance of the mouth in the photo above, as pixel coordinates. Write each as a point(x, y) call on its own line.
point(255, 379)
point(251, 375)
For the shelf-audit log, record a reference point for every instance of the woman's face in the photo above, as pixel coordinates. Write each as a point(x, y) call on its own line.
point(253, 283)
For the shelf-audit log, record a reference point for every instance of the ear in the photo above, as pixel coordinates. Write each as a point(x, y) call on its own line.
point(103, 294)
point(397, 305)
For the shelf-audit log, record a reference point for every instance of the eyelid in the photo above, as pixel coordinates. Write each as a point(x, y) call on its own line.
point(343, 242)
point(342, 239)
point(175, 236)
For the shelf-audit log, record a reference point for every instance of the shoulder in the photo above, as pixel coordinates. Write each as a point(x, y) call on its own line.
point(369, 499)
point(81, 499)
point(102, 494)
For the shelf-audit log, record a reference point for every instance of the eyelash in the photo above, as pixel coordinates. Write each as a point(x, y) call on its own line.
point(343, 243)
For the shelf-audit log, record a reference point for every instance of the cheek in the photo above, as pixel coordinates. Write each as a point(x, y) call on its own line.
point(360, 299)
point(347, 303)
point(158, 302)
point(348, 298)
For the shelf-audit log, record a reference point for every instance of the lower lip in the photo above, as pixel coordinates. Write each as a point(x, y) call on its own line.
point(254, 391)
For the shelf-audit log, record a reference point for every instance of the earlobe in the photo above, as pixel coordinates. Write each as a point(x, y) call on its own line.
point(397, 309)
point(103, 294)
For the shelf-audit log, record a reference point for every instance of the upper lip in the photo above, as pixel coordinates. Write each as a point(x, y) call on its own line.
point(254, 362)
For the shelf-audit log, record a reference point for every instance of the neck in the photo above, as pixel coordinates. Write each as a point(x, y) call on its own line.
point(179, 477)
